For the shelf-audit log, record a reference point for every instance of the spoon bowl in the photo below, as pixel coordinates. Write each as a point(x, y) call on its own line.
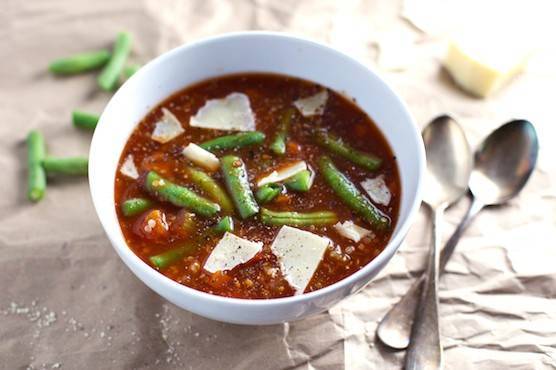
point(449, 162)
point(504, 162)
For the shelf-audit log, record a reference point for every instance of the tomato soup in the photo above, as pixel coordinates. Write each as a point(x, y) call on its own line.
point(257, 186)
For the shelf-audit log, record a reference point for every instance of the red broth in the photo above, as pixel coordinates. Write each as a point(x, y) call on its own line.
point(260, 277)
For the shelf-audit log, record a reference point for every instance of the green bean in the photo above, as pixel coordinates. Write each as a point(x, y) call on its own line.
point(225, 224)
point(301, 181)
point(233, 141)
point(350, 195)
point(337, 146)
point(268, 192)
point(167, 258)
point(36, 178)
point(278, 145)
point(235, 176)
point(134, 206)
point(212, 188)
point(179, 196)
point(108, 78)
point(273, 218)
point(66, 166)
point(84, 120)
point(78, 63)
point(130, 70)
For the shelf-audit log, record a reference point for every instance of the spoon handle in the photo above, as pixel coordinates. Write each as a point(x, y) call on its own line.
point(425, 351)
point(395, 328)
point(474, 208)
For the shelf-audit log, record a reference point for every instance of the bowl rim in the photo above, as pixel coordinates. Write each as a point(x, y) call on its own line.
point(129, 257)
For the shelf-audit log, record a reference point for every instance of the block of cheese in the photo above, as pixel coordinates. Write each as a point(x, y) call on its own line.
point(482, 65)
point(299, 253)
point(231, 251)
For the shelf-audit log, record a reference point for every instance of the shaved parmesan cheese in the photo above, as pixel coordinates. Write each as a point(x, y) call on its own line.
point(377, 190)
point(299, 253)
point(128, 168)
point(231, 251)
point(312, 105)
point(201, 157)
point(351, 231)
point(230, 113)
point(283, 173)
point(168, 128)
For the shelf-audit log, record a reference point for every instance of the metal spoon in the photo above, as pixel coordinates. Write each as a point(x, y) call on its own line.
point(449, 163)
point(503, 164)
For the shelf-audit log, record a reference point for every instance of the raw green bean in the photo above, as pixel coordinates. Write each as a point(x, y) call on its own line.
point(278, 145)
point(134, 206)
point(269, 217)
point(212, 188)
point(233, 141)
point(225, 224)
point(268, 192)
point(235, 176)
point(350, 195)
point(78, 63)
point(337, 146)
point(301, 181)
point(130, 70)
point(108, 78)
point(167, 258)
point(84, 120)
point(179, 196)
point(66, 166)
point(36, 178)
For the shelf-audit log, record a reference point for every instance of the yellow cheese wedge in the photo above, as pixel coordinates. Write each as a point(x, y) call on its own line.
point(481, 66)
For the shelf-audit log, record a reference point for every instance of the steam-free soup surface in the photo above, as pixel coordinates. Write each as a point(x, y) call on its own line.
point(163, 226)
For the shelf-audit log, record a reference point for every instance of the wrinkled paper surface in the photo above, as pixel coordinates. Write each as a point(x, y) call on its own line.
point(68, 302)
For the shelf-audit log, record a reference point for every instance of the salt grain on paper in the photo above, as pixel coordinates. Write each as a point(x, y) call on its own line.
point(41, 317)
point(166, 323)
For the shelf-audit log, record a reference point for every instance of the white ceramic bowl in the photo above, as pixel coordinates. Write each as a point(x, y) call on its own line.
point(252, 52)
